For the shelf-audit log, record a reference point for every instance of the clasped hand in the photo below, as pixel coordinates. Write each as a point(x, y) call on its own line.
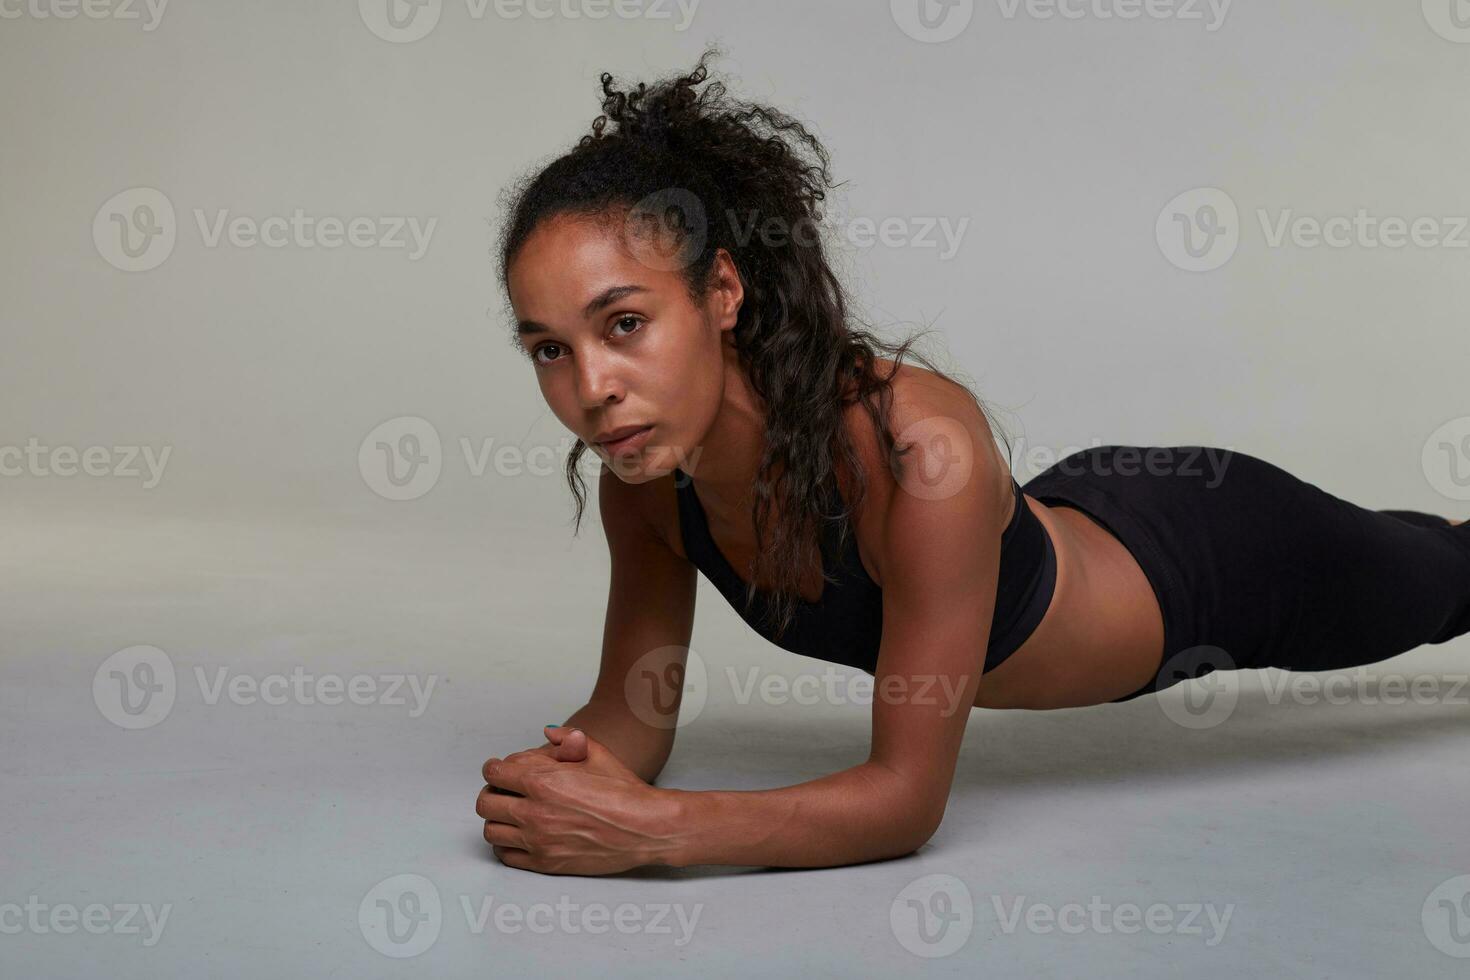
point(572, 807)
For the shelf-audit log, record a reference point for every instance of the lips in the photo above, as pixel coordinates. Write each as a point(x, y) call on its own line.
point(626, 437)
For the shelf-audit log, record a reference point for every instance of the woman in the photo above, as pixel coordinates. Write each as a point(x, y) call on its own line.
point(681, 317)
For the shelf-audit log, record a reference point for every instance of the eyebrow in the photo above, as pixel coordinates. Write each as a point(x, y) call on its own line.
point(610, 295)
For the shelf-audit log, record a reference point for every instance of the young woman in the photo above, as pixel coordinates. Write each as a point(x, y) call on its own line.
point(681, 317)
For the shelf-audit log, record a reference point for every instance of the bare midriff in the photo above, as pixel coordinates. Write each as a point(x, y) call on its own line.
point(1103, 634)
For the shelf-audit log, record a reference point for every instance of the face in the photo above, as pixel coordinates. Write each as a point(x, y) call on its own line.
point(616, 342)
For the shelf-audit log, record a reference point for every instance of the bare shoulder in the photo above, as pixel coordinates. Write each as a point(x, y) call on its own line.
point(948, 438)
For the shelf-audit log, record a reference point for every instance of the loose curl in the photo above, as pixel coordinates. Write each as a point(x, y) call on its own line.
point(708, 153)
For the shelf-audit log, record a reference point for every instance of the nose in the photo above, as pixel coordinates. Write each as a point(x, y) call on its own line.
point(598, 381)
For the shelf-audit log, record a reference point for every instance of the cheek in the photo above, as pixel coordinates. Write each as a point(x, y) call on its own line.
point(558, 396)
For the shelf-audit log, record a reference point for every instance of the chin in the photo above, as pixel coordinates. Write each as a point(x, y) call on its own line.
point(646, 466)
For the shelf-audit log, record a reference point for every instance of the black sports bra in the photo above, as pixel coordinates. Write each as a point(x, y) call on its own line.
point(845, 625)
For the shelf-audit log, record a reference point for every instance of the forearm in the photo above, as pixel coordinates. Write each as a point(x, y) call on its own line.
point(849, 817)
point(641, 747)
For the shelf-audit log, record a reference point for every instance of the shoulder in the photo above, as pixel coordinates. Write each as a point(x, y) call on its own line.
point(951, 475)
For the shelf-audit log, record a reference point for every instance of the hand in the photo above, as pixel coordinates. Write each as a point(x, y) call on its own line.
point(567, 744)
point(561, 816)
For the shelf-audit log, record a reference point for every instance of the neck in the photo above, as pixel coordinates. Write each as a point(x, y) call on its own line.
point(724, 464)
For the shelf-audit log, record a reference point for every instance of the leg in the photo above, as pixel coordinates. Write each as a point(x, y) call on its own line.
point(1386, 582)
point(1419, 518)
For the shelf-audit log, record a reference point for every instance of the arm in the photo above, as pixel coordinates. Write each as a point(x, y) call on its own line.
point(940, 562)
point(634, 707)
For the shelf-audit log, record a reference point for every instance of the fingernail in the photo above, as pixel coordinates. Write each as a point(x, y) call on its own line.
point(552, 725)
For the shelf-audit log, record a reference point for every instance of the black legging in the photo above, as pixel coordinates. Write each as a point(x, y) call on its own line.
point(1254, 567)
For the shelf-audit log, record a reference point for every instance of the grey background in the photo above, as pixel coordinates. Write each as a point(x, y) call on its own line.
point(264, 547)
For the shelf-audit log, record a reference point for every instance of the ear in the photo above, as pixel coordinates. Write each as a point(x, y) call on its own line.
point(726, 292)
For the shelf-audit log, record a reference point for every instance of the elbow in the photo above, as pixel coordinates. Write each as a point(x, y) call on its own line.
point(918, 828)
point(917, 811)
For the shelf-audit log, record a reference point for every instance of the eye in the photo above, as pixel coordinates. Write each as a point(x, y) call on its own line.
point(535, 354)
point(627, 317)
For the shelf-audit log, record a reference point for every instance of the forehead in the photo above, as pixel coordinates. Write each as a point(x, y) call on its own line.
point(570, 258)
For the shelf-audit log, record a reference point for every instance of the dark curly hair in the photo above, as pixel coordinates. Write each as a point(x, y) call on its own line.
point(672, 147)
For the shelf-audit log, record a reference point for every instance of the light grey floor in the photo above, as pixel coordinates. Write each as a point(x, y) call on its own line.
point(1329, 834)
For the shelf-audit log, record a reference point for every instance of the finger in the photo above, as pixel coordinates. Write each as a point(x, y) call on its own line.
point(505, 835)
point(514, 858)
point(500, 807)
point(485, 769)
point(574, 746)
point(540, 750)
point(512, 775)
